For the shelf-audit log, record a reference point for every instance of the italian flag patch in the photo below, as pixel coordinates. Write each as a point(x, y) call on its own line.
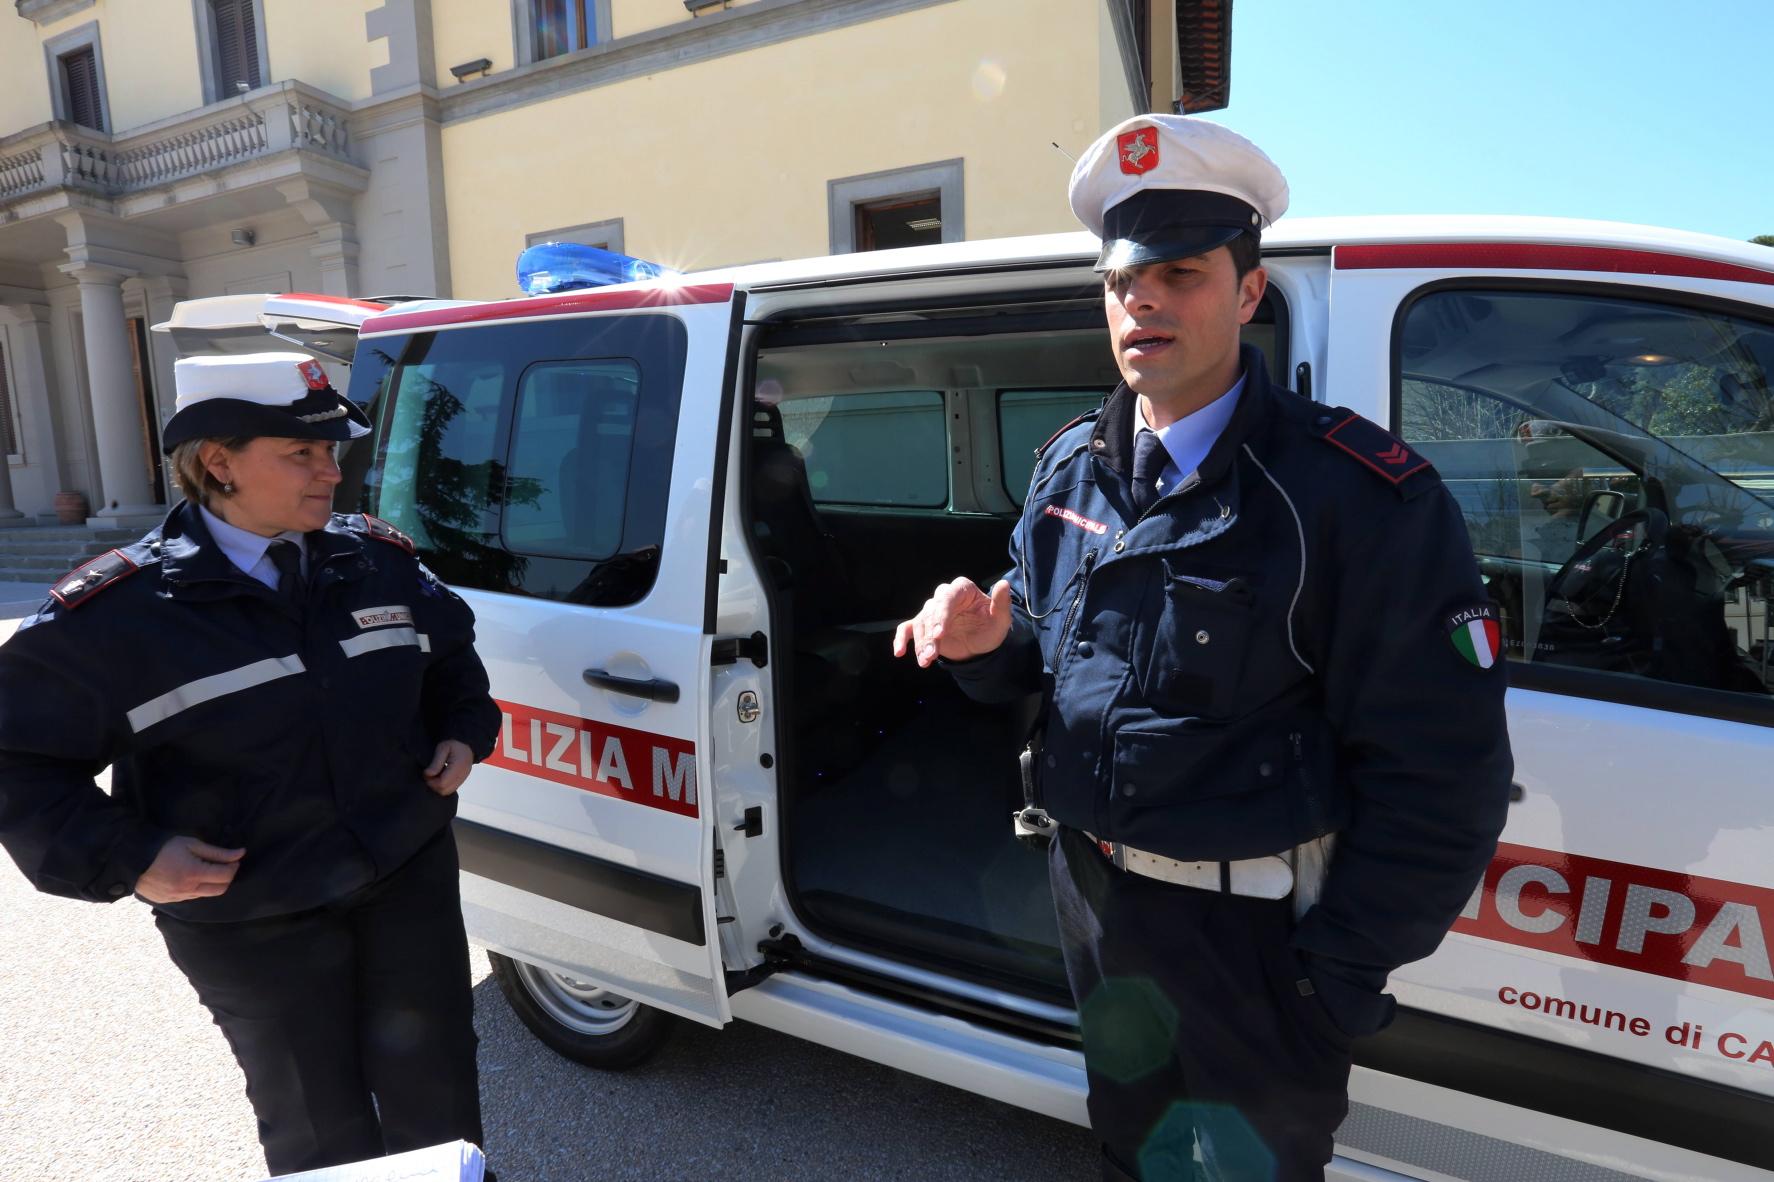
point(1476, 634)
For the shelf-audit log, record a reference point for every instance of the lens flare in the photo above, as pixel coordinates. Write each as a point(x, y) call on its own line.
point(988, 80)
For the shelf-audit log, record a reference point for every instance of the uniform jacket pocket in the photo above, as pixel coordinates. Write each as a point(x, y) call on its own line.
point(1200, 635)
point(1196, 761)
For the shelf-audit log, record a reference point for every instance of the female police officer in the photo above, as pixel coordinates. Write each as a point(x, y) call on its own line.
point(288, 700)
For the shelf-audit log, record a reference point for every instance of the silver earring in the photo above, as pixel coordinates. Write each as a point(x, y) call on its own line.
point(228, 488)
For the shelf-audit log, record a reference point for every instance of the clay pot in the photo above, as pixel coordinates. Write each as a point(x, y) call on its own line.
point(71, 508)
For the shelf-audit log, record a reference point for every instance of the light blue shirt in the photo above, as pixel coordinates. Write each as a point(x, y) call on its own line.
point(1188, 440)
point(247, 550)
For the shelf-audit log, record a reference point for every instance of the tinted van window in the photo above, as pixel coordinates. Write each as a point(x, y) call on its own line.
point(877, 448)
point(534, 459)
point(1027, 419)
point(1615, 461)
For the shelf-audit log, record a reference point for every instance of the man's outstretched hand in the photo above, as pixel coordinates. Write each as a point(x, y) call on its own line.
point(957, 623)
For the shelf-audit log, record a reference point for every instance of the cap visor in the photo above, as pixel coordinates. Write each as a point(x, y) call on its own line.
point(1162, 248)
point(229, 418)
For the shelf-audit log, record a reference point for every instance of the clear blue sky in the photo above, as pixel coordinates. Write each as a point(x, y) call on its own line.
point(1628, 110)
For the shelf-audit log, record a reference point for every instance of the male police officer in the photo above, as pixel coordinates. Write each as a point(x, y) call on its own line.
point(1274, 740)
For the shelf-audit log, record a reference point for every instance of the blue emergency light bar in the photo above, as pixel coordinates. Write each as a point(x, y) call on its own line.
point(563, 266)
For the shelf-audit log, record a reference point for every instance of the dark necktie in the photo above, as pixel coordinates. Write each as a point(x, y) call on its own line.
point(287, 558)
point(1149, 458)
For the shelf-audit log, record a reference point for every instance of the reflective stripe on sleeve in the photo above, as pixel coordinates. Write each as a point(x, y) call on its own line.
point(204, 689)
point(382, 638)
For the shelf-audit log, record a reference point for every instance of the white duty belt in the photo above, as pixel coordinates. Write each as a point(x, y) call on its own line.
point(1268, 877)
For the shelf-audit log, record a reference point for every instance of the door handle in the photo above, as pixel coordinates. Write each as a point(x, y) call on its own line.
point(651, 688)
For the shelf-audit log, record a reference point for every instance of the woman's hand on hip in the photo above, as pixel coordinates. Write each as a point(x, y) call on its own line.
point(186, 868)
point(449, 767)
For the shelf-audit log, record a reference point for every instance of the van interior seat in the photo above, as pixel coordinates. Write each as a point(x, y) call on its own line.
point(802, 556)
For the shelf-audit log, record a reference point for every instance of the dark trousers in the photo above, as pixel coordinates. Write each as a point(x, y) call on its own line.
point(1195, 1029)
point(368, 997)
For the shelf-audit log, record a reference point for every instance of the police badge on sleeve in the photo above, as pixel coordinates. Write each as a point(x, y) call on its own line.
point(1476, 634)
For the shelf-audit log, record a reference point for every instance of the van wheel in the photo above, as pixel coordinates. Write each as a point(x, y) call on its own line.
point(580, 1020)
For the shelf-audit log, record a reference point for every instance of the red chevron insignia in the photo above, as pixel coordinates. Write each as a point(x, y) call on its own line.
point(1380, 451)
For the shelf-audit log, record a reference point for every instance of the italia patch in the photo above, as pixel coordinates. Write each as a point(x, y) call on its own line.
point(1476, 634)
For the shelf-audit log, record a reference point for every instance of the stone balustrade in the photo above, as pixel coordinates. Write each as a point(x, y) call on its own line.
point(278, 118)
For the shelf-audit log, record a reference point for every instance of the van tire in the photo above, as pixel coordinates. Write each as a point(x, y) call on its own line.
point(579, 1020)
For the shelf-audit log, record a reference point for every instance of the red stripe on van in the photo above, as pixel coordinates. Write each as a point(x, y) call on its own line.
point(1705, 930)
point(567, 304)
point(1538, 257)
point(643, 768)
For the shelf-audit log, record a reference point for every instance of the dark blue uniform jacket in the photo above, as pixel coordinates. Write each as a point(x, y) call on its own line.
point(1266, 656)
point(226, 717)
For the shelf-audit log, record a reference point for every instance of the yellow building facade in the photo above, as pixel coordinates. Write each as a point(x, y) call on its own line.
point(159, 150)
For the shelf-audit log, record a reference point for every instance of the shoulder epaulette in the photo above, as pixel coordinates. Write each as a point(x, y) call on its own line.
point(1376, 449)
point(1086, 417)
point(382, 531)
point(85, 581)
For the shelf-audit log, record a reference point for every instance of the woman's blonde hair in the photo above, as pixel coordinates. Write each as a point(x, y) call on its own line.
point(190, 474)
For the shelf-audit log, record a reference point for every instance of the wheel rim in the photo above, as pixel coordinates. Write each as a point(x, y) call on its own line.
point(580, 1006)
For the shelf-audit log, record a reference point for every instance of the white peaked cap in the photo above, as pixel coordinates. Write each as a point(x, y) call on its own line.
point(1158, 187)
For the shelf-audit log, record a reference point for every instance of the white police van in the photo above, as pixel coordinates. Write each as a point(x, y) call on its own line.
point(688, 512)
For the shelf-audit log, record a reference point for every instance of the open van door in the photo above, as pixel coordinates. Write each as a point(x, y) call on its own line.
point(556, 459)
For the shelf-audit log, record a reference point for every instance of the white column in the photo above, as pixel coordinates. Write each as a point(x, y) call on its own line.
point(124, 487)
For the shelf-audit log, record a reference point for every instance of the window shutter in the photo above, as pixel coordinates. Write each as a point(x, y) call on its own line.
point(80, 73)
point(237, 46)
point(249, 42)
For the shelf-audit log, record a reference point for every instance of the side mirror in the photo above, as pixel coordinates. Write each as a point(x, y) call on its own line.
point(1610, 503)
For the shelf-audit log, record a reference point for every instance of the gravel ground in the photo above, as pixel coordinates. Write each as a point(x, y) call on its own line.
point(110, 1071)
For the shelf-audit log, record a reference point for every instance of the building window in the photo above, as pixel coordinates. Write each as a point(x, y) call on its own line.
point(231, 43)
point(898, 207)
point(237, 46)
point(80, 88)
point(550, 28)
point(605, 235)
point(912, 220)
point(76, 64)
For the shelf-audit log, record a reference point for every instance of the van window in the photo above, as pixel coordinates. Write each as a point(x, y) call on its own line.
point(885, 448)
point(1027, 419)
point(571, 443)
point(1614, 458)
point(534, 459)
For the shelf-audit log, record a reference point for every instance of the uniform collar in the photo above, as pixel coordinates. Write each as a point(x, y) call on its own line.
point(1188, 440)
point(1112, 439)
point(243, 547)
point(189, 551)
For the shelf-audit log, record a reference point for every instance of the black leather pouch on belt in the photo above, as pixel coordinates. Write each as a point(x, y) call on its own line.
point(1034, 828)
